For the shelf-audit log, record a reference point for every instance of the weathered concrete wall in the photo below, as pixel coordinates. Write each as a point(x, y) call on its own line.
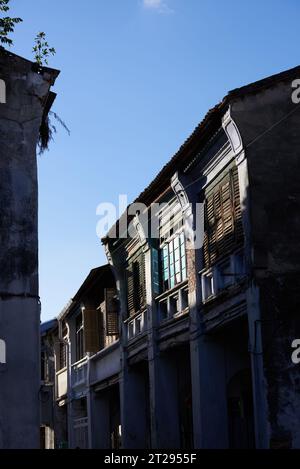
point(20, 120)
point(269, 125)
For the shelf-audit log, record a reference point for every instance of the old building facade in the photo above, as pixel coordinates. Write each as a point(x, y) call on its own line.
point(25, 99)
point(85, 348)
point(208, 300)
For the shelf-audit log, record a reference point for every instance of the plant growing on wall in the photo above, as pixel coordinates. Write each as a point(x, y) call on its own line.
point(42, 50)
point(7, 24)
point(48, 130)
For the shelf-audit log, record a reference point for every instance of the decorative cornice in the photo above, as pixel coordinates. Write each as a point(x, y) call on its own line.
point(232, 133)
point(180, 193)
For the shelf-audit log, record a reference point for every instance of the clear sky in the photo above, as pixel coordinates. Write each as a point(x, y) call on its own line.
point(136, 78)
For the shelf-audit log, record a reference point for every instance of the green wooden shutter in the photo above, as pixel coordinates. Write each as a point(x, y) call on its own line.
point(130, 290)
point(136, 283)
point(155, 271)
point(142, 281)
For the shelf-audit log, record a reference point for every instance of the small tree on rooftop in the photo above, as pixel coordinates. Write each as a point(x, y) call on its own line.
point(7, 24)
point(42, 50)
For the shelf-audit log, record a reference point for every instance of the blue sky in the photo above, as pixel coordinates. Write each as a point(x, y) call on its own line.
point(136, 78)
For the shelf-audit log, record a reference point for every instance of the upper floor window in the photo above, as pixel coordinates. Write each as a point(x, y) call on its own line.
point(174, 262)
point(62, 355)
point(79, 338)
point(223, 275)
point(172, 246)
point(63, 349)
point(136, 283)
point(223, 220)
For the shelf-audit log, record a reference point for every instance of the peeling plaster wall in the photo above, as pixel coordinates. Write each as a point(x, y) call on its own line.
point(20, 120)
point(269, 125)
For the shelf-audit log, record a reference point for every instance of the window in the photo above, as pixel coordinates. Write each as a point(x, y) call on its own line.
point(63, 349)
point(43, 365)
point(163, 310)
point(225, 274)
point(62, 355)
point(223, 221)
point(239, 266)
point(139, 325)
point(79, 338)
point(184, 299)
point(136, 285)
point(131, 330)
point(111, 310)
point(174, 305)
point(174, 262)
point(208, 285)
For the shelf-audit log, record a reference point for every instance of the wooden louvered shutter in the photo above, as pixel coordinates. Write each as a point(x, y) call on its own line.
point(155, 271)
point(111, 309)
point(225, 238)
point(136, 284)
point(223, 221)
point(91, 330)
point(130, 290)
point(237, 206)
point(208, 228)
point(142, 281)
point(101, 326)
point(57, 355)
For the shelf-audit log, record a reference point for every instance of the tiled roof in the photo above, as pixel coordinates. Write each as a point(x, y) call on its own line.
point(211, 122)
point(212, 118)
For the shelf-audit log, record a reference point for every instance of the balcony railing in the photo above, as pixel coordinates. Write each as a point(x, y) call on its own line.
point(136, 325)
point(173, 303)
point(79, 373)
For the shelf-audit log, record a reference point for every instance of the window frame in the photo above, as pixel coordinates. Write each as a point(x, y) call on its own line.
point(79, 334)
point(173, 265)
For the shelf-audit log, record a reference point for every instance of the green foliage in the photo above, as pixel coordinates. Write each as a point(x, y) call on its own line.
point(42, 50)
point(48, 130)
point(7, 24)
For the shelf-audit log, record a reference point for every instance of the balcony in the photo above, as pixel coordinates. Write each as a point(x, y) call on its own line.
point(136, 325)
point(79, 373)
point(224, 278)
point(173, 303)
point(105, 364)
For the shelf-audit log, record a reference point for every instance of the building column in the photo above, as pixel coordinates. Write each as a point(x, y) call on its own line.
point(165, 431)
point(132, 383)
point(99, 420)
point(209, 394)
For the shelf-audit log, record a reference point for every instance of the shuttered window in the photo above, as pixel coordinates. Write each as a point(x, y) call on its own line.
point(91, 331)
point(111, 310)
point(79, 338)
point(170, 220)
point(136, 283)
point(223, 221)
point(62, 355)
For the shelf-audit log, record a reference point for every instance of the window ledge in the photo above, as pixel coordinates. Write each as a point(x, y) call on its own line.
point(173, 290)
point(61, 371)
point(136, 315)
point(105, 351)
point(225, 293)
point(82, 362)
